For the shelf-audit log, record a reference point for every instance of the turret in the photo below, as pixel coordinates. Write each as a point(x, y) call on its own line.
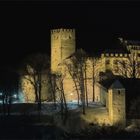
point(116, 104)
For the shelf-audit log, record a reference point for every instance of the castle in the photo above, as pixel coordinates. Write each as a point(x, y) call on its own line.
point(124, 63)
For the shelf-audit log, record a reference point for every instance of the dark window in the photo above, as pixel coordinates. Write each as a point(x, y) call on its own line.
point(119, 92)
point(115, 62)
point(107, 62)
point(119, 110)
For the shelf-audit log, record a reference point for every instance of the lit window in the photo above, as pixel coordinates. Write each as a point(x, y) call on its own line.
point(119, 110)
point(71, 94)
point(121, 55)
point(107, 54)
point(125, 55)
point(112, 54)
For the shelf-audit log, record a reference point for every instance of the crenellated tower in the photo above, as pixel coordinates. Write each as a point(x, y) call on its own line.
point(62, 46)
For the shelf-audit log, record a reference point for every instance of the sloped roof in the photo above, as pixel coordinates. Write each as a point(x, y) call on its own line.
point(132, 90)
point(116, 85)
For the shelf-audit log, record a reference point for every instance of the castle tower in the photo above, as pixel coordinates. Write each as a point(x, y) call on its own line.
point(116, 102)
point(62, 46)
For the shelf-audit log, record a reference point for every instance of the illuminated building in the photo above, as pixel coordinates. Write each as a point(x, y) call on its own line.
point(63, 46)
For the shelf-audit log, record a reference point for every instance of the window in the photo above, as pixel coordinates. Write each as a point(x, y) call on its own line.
point(138, 55)
point(107, 62)
point(125, 55)
point(121, 55)
point(112, 54)
point(118, 110)
point(107, 54)
point(119, 92)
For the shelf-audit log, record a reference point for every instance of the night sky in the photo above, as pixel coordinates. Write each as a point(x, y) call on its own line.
point(25, 26)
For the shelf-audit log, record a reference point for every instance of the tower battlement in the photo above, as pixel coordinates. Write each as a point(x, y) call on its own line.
point(66, 34)
point(115, 55)
point(62, 30)
point(62, 46)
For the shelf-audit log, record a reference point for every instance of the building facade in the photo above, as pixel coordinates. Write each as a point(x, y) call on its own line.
point(124, 63)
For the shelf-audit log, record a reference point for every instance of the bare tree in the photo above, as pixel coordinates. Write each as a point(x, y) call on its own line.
point(77, 68)
point(94, 70)
point(60, 90)
point(85, 80)
point(73, 74)
point(53, 86)
point(35, 66)
point(130, 67)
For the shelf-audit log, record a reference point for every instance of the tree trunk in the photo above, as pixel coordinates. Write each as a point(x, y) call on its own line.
point(39, 93)
point(93, 98)
point(3, 105)
point(74, 80)
point(9, 106)
point(53, 85)
point(78, 98)
point(86, 93)
point(63, 104)
point(36, 93)
point(63, 96)
point(83, 103)
point(134, 69)
point(82, 90)
point(93, 83)
point(62, 107)
point(66, 110)
point(54, 98)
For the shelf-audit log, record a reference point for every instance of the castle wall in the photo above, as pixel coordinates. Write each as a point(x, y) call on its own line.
point(110, 62)
point(71, 92)
point(97, 93)
point(69, 84)
point(28, 89)
point(62, 46)
point(103, 96)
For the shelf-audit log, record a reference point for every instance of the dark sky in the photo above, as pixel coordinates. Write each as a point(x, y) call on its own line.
point(25, 26)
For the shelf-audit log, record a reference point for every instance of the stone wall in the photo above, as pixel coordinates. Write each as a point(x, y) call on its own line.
point(28, 90)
